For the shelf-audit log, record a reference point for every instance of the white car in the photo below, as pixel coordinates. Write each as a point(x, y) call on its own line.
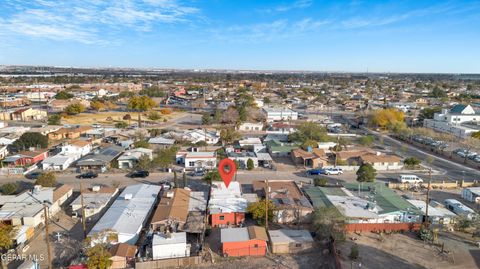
point(333, 171)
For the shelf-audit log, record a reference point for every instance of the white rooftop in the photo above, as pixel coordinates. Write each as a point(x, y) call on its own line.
point(161, 140)
point(126, 216)
point(226, 200)
point(175, 238)
point(432, 211)
point(355, 207)
point(234, 235)
point(290, 236)
point(204, 154)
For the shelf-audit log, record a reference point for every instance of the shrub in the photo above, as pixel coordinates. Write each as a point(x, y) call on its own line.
point(354, 253)
point(47, 180)
point(250, 164)
point(9, 188)
point(319, 181)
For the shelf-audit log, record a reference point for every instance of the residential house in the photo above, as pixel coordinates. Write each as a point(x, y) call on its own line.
point(95, 200)
point(198, 135)
point(251, 144)
point(460, 120)
point(160, 142)
point(246, 241)
point(291, 205)
point(197, 160)
point(28, 114)
point(28, 157)
point(125, 218)
point(27, 208)
point(313, 158)
point(101, 159)
point(437, 213)
point(69, 133)
point(170, 245)
point(471, 194)
point(242, 158)
point(382, 162)
point(226, 205)
point(286, 241)
point(122, 256)
point(58, 162)
point(279, 114)
point(57, 105)
point(367, 206)
point(172, 211)
point(281, 128)
point(280, 149)
point(129, 159)
point(250, 126)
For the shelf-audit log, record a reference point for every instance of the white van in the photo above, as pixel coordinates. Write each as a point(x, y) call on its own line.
point(412, 179)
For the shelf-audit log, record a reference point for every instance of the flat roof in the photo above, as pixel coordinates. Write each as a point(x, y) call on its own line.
point(289, 236)
point(126, 216)
point(234, 235)
point(173, 238)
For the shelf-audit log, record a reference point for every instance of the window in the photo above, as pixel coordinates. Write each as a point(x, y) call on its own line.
point(222, 217)
point(298, 245)
point(255, 246)
point(191, 163)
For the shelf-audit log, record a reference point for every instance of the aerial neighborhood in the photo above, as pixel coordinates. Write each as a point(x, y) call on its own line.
point(121, 169)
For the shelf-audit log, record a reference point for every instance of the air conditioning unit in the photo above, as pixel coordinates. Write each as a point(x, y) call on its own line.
point(128, 196)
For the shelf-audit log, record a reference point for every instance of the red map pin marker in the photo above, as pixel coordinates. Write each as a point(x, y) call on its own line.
point(226, 169)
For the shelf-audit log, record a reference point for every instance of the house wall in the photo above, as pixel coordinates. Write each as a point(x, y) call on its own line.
point(387, 166)
point(170, 251)
point(291, 247)
point(118, 262)
point(206, 163)
point(293, 215)
point(252, 247)
point(234, 218)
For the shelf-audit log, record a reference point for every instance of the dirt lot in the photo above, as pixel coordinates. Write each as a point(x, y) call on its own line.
point(90, 118)
point(406, 251)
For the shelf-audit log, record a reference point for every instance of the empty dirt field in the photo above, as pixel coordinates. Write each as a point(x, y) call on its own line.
point(402, 251)
point(115, 116)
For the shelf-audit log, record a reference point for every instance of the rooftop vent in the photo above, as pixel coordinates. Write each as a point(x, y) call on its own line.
point(128, 196)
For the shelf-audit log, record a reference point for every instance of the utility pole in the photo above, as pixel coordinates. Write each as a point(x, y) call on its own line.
point(47, 240)
point(428, 194)
point(267, 191)
point(336, 150)
point(83, 211)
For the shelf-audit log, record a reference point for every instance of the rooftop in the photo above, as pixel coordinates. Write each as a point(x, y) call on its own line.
point(290, 236)
point(243, 234)
point(172, 238)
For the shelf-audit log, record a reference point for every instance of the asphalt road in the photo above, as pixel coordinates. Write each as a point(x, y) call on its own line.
point(444, 168)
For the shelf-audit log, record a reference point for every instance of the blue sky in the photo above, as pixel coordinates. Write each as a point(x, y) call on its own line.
point(378, 36)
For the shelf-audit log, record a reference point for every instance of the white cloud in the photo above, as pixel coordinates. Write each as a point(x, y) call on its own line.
point(298, 4)
point(87, 21)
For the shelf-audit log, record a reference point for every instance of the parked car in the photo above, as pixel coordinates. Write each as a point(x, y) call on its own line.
point(333, 171)
point(33, 175)
point(197, 173)
point(139, 173)
point(316, 172)
point(89, 174)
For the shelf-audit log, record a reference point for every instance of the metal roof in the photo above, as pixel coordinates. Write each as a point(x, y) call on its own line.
point(234, 235)
point(173, 238)
point(290, 236)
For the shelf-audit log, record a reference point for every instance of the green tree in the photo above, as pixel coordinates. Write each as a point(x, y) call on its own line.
point(144, 162)
point(206, 119)
point(74, 109)
point(367, 140)
point(97, 105)
point(329, 222)
point(9, 188)
point(5, 237)
point(257, 210)
point(63, 95)
point(250, 164)
point(228, 135)
point(141, 103)
point(141, 144)
point(48, 179)
point(366, 173)
point(411, 161)
point(438, 92)
point(266, 100)
point(98, 257)
point(121, 125)
point(309, 131)
point(165, 157)
point(212, 176)
point(154, 115)
point(476, 135)
point(354, 253)
point(153, 91)
point(428, 113)
point(320, 181)
point(54, 119)
point(217, 116)
point(31, 139)
point(309, 144)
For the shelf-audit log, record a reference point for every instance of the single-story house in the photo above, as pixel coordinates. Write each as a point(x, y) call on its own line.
point(382, 162)
point(129, 159)
point(94, 200)
point(314, 158)
point(58, 162)
point(28, 157)
point(286, 241)
point(246, 241)
point(69, 133)
point(226, 205)
point(160, 142)
point(28, 114)
point(242, 158)
point(100, 159)
point(197, 160)
point(170, 245)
